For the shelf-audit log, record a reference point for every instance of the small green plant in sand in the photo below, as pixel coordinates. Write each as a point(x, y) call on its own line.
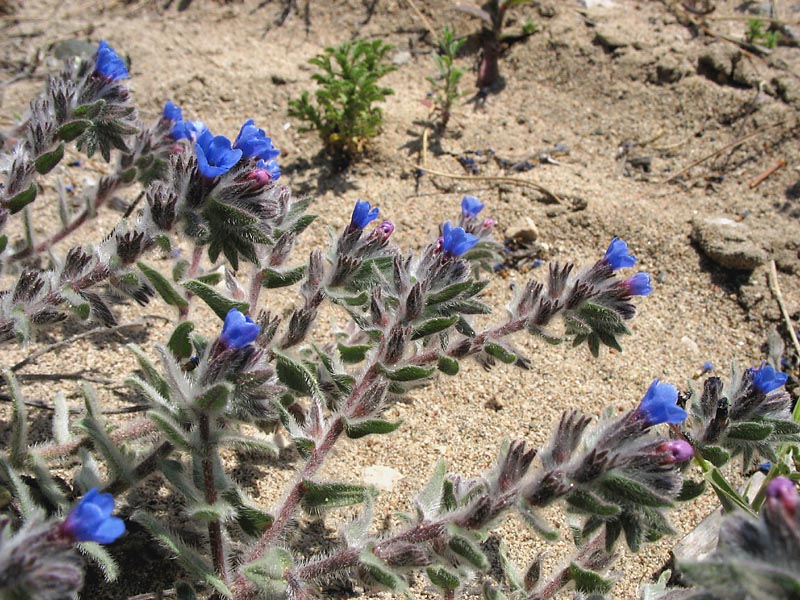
point(445, 84)
point(344, 111)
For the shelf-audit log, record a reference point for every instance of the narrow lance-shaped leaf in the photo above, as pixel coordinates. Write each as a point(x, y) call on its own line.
point(321, 496)
point(187, 556)
point(102, 558)
point(163, 286)
point(180, 342)
point(215, 301)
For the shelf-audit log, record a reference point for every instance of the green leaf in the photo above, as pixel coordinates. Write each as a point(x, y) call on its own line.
point(21, 200)
point(359, 429)
point(749, 431)
point(102, 558)
point(187, 556)
point(322, 496)
point(432, 326)
point(448, 293)
point(171, 430)
point(589, 503)
point(118, 463)
point(219, 511)
point(353, 354)
point(22, 493)
point(3, 243)
point(410, 373)
point(429, 501)
point(500, 353)
point(215, 301)
point(152, 375)
point(271, 278)
point(466, 549)
point(690, 490)
point(215, 398)
point(380, 572)
point(295, 375)
point(163, 286)
point(443, 578)
point(448, 365)
point(48, 160)
point(250, 517)
point(618, 488)
point(715, 455)
point(269, 572)
point(69, 131)
point(180, 342)
point(588, 581)
point(728, 497)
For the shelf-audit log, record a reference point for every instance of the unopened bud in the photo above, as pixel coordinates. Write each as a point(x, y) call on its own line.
point(781, 490)
point(675, 451)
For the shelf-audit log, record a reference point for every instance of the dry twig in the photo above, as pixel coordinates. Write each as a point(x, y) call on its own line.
point(776, 291)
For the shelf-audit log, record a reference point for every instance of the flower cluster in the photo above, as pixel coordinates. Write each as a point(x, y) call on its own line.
point(659, 405)
point(618, 257)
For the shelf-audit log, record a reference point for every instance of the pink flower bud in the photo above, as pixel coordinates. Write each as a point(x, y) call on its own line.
point(675, 451)
point(781, 490)
point(488, 223)
point(385, 229)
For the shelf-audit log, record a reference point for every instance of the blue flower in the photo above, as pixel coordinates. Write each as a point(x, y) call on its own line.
point(188, 130)
point(91, 520)
point(108, 64)
point(456, 241)
point(766, 379)
point(765, 467)
point(215, 155)
point(708, 366)
point(172, 112)
point(363, 213)
point(238, 330)
point(659, 405)
point(617, 255)
point(638, 285)
point(470, 206)
point(253, 142)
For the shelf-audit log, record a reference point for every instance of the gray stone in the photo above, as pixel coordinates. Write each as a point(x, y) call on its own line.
point(525, 233)
point(728, 243)
point(611, 37)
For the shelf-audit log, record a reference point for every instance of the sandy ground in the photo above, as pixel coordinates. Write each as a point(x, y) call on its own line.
point(611, 84)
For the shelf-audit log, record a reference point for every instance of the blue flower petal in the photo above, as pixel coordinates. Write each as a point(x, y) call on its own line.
point(617, 255)
point(363, 214)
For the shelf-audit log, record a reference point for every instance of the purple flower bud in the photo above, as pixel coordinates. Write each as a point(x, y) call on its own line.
point(782, 491)
point(659, 405)
point(456, 241)
point(172, 112)
point(108, 65)
point(264, 173)
point(91, 520)
point(214, 154)
point(766, 379)
point(470, 207)
point(253, 142)
point(385, 229)
point(675, 451)
point(617, 255)
point(638, 285)
point(363, 214)
point(238, 330)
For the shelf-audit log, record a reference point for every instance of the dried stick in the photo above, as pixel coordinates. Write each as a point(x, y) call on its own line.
point(424, 20)
point(776, 291)
point(512, 180)
point(719, 151)
point(74, 338)
point(761, 178)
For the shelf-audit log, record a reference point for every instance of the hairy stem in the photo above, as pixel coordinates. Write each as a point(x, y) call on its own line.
point(134, 431)
point(591, 556)
point(207, 447)
point(142, 470)
point(108, 185)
